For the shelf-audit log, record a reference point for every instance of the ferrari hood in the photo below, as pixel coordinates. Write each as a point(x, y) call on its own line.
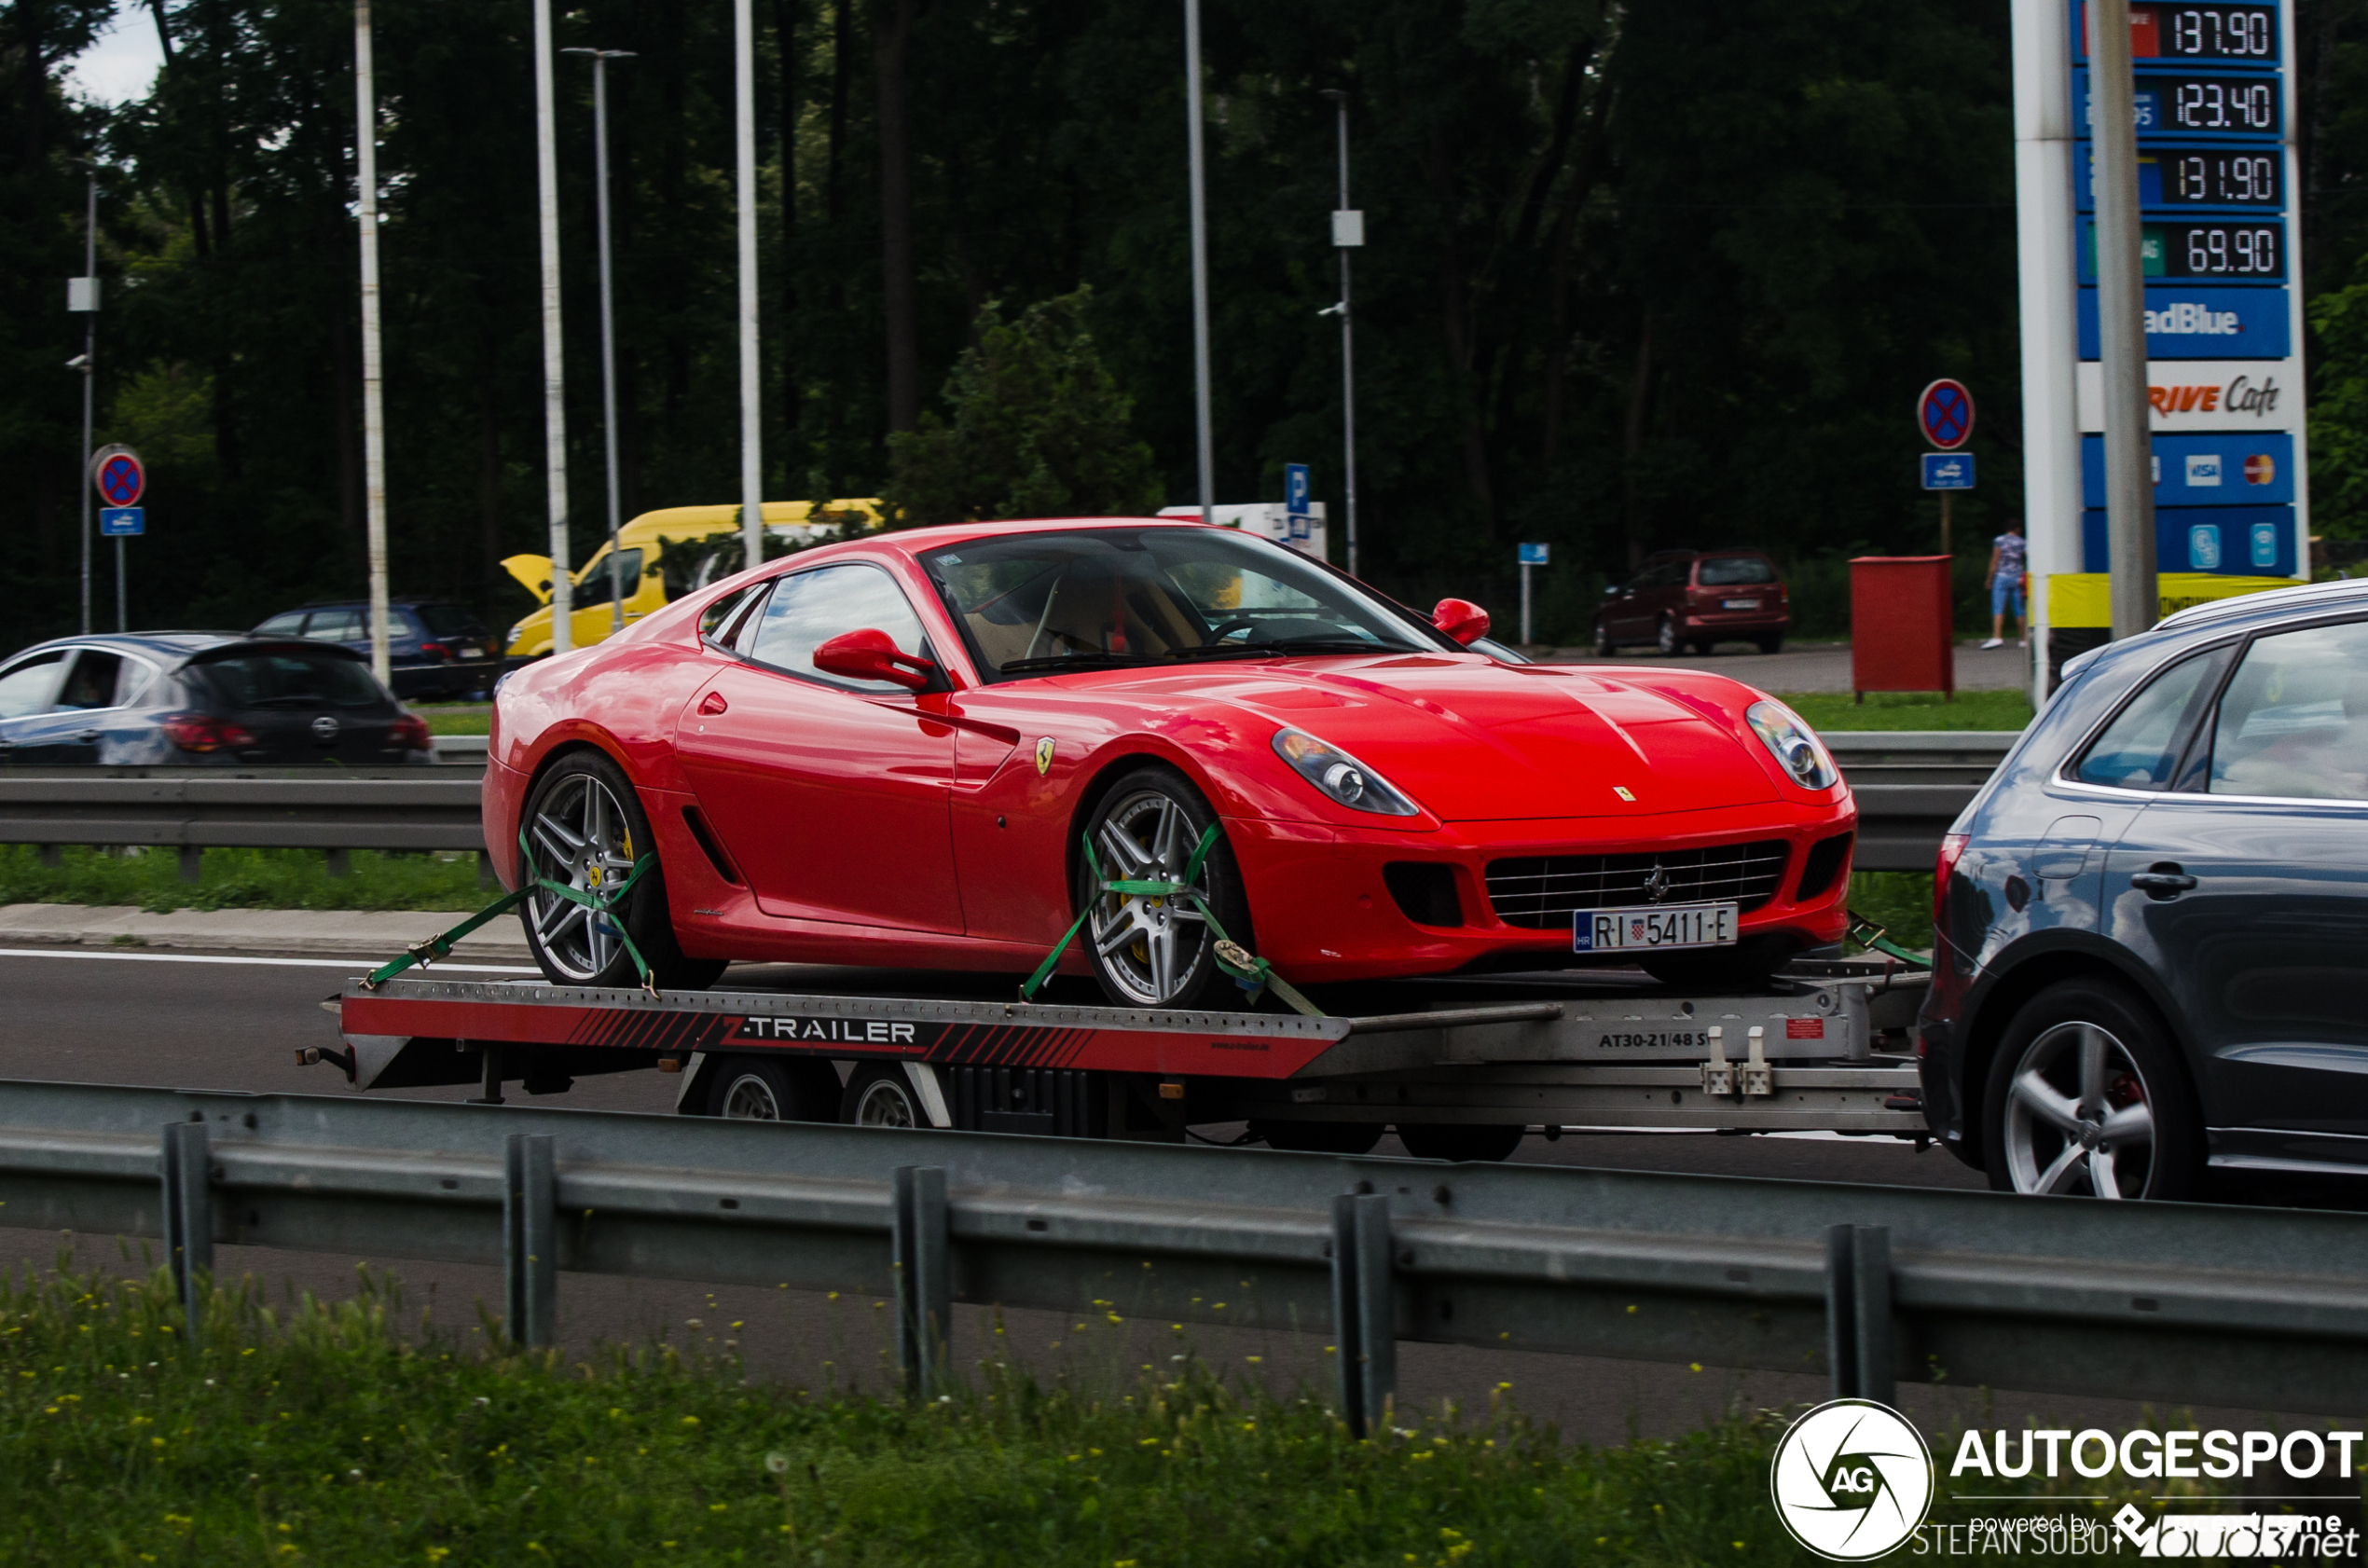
point(1474, 742)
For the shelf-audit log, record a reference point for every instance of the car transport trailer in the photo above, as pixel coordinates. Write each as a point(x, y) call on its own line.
point(1823, 1047)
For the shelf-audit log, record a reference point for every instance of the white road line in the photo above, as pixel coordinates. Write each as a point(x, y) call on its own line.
point(351, 966)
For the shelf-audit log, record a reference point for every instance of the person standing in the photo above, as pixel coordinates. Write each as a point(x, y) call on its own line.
point(2007, 556)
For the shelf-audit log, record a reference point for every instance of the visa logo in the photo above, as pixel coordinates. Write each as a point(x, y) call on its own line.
point(2203, 470)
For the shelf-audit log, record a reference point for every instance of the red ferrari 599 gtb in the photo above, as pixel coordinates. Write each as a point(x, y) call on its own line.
point(889, 751)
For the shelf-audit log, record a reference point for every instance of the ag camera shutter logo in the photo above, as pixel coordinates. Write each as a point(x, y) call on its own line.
point(1851, 1480)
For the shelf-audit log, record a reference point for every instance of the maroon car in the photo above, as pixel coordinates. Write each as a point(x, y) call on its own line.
point(1688, 600)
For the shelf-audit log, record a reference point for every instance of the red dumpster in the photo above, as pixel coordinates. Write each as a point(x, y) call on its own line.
point(1902, 626)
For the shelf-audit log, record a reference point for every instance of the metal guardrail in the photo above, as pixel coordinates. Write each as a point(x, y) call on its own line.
point(2261, 1309)
point(1910, 786)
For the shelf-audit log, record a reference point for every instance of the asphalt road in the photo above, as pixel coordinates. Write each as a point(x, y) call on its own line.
point(237, 1024)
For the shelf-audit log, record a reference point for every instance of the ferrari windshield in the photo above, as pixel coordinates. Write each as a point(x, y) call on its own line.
point(1036, 603)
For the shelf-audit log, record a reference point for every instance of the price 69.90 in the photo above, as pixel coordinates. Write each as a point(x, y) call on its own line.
point(2221, 249)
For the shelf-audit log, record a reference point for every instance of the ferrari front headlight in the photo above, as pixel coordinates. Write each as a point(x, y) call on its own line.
point(1793, 744)
point(1340, 775)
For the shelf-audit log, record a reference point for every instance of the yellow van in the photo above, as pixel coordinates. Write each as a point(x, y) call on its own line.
point(663, 554)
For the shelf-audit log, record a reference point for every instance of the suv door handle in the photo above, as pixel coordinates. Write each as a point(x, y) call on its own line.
point(2162, 880)
point(86, 738)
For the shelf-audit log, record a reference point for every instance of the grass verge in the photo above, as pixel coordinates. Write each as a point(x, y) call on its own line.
point(1900, 901)
point(455, 717)
point(1912, 711)
point(241, 879)
point(320, 1435)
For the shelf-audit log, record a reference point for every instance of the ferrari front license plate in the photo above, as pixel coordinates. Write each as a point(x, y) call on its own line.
point(1677, 925)
point(1738, 604)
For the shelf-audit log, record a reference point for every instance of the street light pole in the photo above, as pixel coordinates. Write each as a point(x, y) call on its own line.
point(555, 410)
point(751, 435)
point(88, 304)
point(374, 448)
point(600, 59)
point(1348, 232)
point(2121, 325)
point(1200, 260)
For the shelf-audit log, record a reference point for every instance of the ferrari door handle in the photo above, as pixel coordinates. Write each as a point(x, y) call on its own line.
point(2162, 880)
point(712, 704)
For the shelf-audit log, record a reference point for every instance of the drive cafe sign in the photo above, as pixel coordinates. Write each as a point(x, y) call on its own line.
point(2205, 394)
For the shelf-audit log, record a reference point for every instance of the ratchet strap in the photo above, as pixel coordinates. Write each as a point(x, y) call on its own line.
point(1870, 936)
point(1252, 973)
point(602, 902)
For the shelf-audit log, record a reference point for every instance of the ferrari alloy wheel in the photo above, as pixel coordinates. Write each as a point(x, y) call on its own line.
point(1665, 636)
point(1157, 950)
point(879, 1095)
point(584, 830)
point(2086, 1100)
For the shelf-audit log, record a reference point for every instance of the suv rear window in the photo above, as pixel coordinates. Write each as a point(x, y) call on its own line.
point(290, 679)
point(447, 620)
point(1726, 572)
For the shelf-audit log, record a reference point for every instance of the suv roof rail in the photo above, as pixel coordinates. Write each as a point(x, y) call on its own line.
point(2301, 593)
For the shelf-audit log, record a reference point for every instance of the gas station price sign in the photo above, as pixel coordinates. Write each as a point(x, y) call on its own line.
point(2195, 103)
point(2230, 251)
point(2245, 34)
point(2221, 177)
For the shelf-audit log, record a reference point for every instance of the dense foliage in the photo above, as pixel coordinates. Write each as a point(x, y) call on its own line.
point(1634, 275)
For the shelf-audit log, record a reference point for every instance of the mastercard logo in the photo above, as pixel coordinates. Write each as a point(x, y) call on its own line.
point(2261, 469)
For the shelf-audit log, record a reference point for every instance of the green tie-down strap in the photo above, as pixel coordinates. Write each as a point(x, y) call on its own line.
point(1870, 936)
point(601, 903)
point(1250, 972)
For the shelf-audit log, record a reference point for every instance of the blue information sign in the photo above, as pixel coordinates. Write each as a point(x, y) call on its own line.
point(2232, 541)
point(1949, 471)
point(2205, 321)
point(122, 522)
point(1295, 488)
point(1532, 554)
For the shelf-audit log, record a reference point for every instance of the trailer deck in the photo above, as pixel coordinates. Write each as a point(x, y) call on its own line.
point(1821, 1048)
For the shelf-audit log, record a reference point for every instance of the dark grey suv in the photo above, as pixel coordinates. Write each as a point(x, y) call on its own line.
point(2150, 951)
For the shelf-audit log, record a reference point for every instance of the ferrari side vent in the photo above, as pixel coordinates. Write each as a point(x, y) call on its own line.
point(714, 851)
point(1825, 861)
point(1540, 892)
point(1424, 891)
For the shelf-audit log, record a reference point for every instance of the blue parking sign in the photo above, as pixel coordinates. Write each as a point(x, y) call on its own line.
point(1295, 488)
point(1949, 471)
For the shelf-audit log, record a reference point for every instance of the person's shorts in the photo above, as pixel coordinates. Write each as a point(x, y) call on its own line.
point(2004, 589)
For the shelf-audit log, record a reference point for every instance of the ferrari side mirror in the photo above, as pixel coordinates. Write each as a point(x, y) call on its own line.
point(872, 654)
point(1460, 619)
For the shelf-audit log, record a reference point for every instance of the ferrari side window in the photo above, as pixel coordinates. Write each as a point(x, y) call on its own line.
point(716, 619)
point(809, 608)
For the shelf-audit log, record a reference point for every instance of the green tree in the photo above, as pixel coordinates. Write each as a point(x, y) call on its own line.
point(1040, 430)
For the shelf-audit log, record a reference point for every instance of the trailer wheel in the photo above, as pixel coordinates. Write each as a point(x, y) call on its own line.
point(1319, 1137)
point(878, 1094)
point(760, 1089)
point(1455, 1141)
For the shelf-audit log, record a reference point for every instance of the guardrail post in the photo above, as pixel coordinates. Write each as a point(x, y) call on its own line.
point(924, 1286)
point(1364, 1317)
point(188, 1212)
point(1858, 1318)
point(529, 1263)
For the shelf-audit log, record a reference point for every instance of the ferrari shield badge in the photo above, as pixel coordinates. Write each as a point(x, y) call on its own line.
point(1044, 755)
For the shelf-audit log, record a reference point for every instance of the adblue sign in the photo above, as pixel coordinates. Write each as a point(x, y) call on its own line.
point(2204, 323)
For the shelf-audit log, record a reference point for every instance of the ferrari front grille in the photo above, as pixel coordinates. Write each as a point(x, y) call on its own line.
point(1541, 891)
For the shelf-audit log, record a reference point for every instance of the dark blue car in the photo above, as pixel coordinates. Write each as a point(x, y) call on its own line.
point(2151, 946)
point(199, 699)
point(435, 649)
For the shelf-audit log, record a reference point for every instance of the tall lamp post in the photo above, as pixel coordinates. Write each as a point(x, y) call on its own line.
point(82, 297)
point(1348, 233)
point(374, 446)
point(555, 406)
point(600, 59)
point(1207, 445)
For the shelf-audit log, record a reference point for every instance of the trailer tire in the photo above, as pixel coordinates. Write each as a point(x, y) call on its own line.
point(1437, 1140)
point(879, 1095)
point(1319, 1137)
point(755, 1088)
